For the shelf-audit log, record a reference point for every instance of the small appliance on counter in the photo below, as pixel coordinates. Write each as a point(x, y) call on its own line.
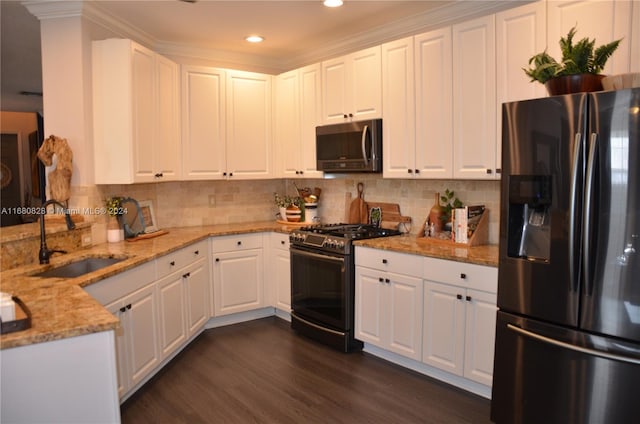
point(14, 315)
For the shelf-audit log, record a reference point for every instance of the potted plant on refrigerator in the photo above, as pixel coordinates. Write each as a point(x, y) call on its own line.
point(578, 71)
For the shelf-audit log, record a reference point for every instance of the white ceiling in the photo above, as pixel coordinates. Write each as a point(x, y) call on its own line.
point(296, 32)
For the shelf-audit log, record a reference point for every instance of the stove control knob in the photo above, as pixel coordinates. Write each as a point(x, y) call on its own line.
point(340, 244)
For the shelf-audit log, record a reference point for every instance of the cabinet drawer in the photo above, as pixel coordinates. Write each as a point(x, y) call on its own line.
point(385, 260)
point(478, 277)
point(180, 258)
point(279, 241)
point(239, 242)
point(112, 288)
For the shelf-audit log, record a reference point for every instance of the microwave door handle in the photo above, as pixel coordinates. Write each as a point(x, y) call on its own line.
point(364, 140)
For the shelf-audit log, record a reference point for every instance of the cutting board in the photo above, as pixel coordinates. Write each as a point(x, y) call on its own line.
point(358, 211)
point(391, 216)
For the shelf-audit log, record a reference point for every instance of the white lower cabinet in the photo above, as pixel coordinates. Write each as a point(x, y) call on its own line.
point(238, 273)
point(459, 322)
point(279, 275)
point(388, 304)
point(161, 305)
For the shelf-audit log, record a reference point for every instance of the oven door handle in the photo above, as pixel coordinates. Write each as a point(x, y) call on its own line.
point(316, 255)
point(329, 330)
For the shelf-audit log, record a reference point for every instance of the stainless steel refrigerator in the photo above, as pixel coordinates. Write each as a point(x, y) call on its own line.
point(568, 325)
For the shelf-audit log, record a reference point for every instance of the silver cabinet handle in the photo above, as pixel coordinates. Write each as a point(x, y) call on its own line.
point(569, 346)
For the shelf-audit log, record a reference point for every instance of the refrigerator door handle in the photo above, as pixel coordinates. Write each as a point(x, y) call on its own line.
point(573, 226)
point(586, 230)
point(569, 346)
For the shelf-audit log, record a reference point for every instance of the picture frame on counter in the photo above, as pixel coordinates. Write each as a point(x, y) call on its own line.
point(148, 216)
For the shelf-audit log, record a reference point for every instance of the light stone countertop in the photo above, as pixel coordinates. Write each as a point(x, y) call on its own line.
point(60, 308)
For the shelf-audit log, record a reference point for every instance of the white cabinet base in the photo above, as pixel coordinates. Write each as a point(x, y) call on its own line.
point(460, 382)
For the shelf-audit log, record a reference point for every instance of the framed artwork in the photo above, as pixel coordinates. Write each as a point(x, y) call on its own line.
point(146, 208)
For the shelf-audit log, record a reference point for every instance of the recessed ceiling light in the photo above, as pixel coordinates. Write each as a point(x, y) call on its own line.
point(332, 3)
point(255, 39)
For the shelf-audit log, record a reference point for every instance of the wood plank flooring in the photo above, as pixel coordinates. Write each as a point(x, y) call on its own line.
point(263, 372)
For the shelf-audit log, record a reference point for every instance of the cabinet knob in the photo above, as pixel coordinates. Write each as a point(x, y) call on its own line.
point(197, 252)
point(463, 275)
point(468, 298)
point(158, 175)
point(123, 309)
point(239, 243)
point(489, 171)
point(344, 115)
point(381, 279)
point(217, 259)
point(410, 171)
point(459, 296)
point(224, 174)
point(172, 263)
point(417, 171)
point(384, 261)
point(187, 275)
point(129, 306)
point(386, 280)
point(351, 115)
point(498, 170)
point(283, 242)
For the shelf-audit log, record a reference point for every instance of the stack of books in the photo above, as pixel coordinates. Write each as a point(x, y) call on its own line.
point(465, 222)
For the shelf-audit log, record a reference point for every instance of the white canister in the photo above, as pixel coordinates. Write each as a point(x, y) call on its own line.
point(311, 212)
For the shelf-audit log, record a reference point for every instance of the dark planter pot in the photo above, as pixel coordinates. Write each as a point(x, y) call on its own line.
point(579, 83)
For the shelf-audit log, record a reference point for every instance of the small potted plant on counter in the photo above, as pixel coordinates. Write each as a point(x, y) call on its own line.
point(113, 207)
point(579, 70)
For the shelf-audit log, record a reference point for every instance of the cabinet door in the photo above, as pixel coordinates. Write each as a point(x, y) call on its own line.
point(310, 117)
point(166, 144)
point(398, 104)
point(144, 112)
point(171, 297)
point(203, 123)
point(282, 279)
point(480, 336)
point(370, 307)
point(520, 34)
point(288, 124)
point(474, 99)
point(238, 281)
point(142, 332)
point(603, 21)
point(334, 90)
point(364, 84)
point(405, 300)
point(434, 104)
point(443, 327)
point(122, 356)
point(197, 284)
point(249, 153)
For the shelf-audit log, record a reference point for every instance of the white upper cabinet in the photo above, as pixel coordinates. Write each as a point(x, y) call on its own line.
point(136, 114)
point(474, 99)
point(603, 21)
point(398, 104)
point(520, 34)
point(351, 87)
point(203, 123)
point(434, 104)
point(297, 113)
point(249, 151)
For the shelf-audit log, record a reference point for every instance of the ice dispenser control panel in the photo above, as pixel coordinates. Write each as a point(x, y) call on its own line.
point(529, 226)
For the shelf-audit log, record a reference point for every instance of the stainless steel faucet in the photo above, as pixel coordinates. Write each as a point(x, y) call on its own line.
point(45, 253)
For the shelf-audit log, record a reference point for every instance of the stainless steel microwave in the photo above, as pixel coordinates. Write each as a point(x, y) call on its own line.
point(350, 147)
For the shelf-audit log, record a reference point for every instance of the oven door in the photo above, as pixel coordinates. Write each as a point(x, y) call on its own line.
point(321, 288)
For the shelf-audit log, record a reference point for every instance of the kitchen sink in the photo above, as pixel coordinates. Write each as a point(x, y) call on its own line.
point(78, 268)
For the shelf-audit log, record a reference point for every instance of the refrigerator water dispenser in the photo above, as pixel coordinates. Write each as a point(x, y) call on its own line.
point(529, 227)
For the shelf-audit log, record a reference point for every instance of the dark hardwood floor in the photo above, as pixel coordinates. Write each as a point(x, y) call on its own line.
point(262, 372)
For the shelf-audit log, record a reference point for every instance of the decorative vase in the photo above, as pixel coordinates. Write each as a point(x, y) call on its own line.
point(580, 83)
point(294, 214)
point(435, 214)
point(114, 232)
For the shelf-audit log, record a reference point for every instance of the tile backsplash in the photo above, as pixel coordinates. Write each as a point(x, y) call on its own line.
point(194, 203)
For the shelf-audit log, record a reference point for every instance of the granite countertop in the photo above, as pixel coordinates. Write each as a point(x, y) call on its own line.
point(479, 255)
point(60, 308)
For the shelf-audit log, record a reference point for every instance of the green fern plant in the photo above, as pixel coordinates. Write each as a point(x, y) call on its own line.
point(577, 58)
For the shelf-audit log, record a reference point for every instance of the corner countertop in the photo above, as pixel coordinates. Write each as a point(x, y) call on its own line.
point(60, 308)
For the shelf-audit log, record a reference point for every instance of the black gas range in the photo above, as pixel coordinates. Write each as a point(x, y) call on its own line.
point(323, 281)
point(337, 238)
